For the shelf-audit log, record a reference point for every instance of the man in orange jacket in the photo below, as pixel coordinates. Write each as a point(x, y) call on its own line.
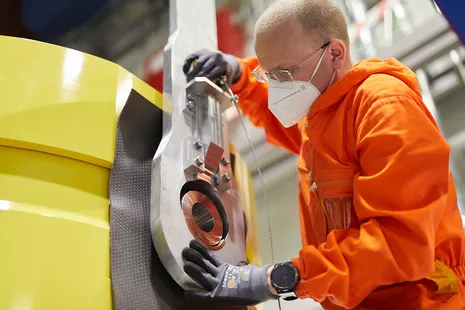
point(378, 210)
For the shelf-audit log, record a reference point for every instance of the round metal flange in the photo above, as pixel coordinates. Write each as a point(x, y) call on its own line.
point(204, 213)
point(203, 218)
point(182, 211)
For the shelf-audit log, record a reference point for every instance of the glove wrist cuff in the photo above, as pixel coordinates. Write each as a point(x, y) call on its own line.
point(263, 289)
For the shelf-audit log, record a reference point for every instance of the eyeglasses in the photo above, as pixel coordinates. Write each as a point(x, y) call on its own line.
point(282, 75)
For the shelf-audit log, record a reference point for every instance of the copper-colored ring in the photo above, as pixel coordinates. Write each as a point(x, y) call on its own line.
point(212, 238)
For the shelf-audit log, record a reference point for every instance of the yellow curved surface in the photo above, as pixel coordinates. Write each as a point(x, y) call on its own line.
point(62, 101)
point(58, 116)
point(247, 193)
point(54, 235)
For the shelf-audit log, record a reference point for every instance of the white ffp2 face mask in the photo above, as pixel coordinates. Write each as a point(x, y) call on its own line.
point(291, 101)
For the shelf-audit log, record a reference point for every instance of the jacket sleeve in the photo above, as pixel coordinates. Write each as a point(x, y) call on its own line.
point(399, 197)
point(253, 101)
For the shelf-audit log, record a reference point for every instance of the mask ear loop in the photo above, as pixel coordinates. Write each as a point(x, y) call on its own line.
point(332, 79)
point(317, 65)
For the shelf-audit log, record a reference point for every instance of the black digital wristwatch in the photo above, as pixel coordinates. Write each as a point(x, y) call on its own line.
point(284, 278)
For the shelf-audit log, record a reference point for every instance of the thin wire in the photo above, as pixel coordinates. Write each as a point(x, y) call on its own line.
point(234, 100)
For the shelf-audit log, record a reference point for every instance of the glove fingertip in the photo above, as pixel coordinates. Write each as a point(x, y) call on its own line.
point(191, 268)
point(185, 253)
point(188, 62)
point(186, 68)
point(195, 244)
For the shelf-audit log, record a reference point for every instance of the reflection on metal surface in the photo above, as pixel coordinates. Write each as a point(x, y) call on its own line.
point(436, 6)
point(204, 213)
point(454, 55)
point(203, 217)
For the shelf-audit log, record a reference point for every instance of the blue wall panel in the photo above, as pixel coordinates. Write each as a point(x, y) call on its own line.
point(454, 11)
point(51, 18)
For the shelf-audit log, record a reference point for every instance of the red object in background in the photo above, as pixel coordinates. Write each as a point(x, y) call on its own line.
point(154, 71)
point(231, 40)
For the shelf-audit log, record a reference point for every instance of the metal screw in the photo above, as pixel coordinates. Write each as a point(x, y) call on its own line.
point(199, 161)
point(190, 105)
point(224, 161)
point(226, 178)
point(198, 144)
point(215, 180)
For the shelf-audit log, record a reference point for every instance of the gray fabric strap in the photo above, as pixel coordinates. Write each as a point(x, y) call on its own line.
point(139, 280)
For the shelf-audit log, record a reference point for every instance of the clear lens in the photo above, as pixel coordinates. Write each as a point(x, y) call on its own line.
point(279, 75)
point(260, 75)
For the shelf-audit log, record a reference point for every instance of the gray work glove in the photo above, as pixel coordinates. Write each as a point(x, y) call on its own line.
point(226, 284)
point(212, 65)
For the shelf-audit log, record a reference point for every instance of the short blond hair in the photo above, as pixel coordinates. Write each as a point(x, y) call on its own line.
point(322, 18)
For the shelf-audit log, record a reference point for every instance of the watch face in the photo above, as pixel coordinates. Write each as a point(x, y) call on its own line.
point(284, 277)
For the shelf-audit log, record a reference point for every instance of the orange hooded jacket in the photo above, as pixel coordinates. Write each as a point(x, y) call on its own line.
point(378, 210)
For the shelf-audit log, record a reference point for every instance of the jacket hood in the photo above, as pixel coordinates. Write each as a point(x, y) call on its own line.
point(360, 72)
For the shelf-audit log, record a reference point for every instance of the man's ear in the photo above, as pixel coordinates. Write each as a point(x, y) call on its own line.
point(338, 52)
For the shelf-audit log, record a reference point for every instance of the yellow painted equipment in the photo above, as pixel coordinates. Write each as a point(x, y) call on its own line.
point(58, 115)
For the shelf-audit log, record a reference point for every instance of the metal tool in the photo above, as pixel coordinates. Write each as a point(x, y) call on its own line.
point(235, 100)
point(194, 194)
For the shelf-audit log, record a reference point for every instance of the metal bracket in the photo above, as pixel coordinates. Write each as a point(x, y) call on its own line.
point(201, 86)
point(207, 126)
point(179, 178)
point(189, 109)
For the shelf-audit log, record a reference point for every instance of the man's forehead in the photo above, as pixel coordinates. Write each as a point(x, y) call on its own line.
point(282, 47)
